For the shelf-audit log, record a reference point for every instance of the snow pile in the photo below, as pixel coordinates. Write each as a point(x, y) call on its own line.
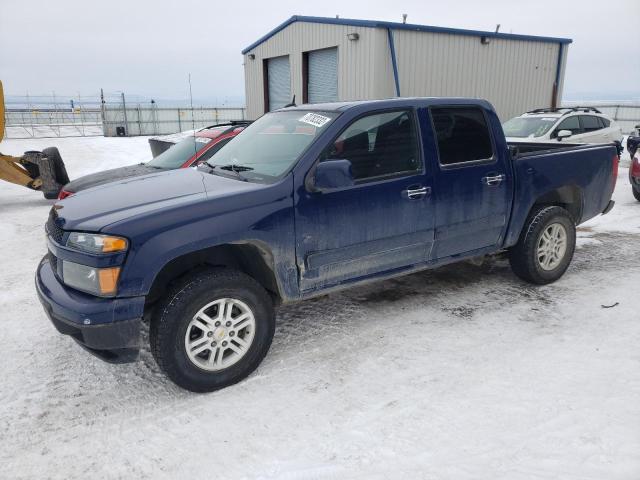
point(460, 373)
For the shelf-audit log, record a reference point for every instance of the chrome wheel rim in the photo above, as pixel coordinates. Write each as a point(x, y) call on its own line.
point(220, 334)
point(552, 246)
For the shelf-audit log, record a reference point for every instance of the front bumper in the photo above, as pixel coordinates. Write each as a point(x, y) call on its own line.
point(107, 327)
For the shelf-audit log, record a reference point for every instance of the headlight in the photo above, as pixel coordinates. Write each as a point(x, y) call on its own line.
point(97, 281)
point(94, 243)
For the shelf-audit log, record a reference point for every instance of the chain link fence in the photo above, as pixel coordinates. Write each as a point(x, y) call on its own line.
point(43, 116)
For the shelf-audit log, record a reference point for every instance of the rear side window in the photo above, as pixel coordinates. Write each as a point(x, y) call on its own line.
point(572, 124)
point(604, 122)
point(462, 134)
point(590, 123)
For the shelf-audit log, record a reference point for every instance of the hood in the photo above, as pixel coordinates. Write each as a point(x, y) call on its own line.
point(95, 208)
point(106, 176)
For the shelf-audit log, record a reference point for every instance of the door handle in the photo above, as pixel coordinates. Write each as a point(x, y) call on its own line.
point(416, 193)
point(493, 180)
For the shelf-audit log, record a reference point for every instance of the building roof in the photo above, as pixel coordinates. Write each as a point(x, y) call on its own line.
point(401, 26)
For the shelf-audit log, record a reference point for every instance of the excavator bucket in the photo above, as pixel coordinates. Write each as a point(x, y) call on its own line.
point(1, 112)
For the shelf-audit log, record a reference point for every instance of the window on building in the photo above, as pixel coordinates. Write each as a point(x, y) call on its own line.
point(378, 145)
point(462, 134)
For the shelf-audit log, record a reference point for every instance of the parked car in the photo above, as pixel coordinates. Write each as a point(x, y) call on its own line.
point(305, 201)
point(633, 141)
point(580, 124)
point(189, 150)
point(634, 174)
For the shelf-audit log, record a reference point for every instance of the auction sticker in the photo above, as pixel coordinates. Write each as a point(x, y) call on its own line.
point(203, 139)
point(315, 119)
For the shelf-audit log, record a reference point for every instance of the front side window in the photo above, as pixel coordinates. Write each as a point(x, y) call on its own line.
point(270, 146)
point(462, 134)
point(378, 145)
point(604, 122)
point(590, 123)
point(572, 124)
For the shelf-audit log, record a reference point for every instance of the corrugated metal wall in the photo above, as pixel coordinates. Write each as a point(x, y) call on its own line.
point(515, 75)
point(359, 62)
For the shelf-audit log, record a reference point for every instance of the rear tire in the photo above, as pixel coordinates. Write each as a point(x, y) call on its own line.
point(218, 306)
point(546, 245)
point(636, 193)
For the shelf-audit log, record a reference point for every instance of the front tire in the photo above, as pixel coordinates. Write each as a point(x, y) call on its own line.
point(636, 193)
point(212, 330)
point(546, 245)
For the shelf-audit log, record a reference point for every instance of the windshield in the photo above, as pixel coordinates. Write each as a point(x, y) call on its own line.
point(528, 126)
point(270, 146)
point(175, 156)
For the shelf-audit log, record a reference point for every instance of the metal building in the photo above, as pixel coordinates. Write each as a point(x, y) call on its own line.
point(333, 59)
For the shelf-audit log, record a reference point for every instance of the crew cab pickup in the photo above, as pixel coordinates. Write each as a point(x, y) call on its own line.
point(307, 200)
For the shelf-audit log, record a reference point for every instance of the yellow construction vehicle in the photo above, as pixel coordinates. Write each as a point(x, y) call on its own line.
point(42, 171)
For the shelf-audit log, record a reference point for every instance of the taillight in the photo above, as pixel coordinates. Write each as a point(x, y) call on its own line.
point(616, 160)
point(64, 194)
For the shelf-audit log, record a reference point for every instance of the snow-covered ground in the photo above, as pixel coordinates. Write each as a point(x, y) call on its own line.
point(460, 373)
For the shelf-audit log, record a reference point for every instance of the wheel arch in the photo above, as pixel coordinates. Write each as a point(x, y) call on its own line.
point(569, 197)
point(251, 257)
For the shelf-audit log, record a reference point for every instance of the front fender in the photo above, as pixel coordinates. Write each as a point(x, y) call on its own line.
point(264, 216)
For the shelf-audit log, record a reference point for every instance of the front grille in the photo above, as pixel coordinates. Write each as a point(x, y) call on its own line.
point(53, 229)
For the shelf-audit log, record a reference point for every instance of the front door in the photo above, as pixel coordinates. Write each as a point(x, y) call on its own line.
point(383, 222)
point(473, 185)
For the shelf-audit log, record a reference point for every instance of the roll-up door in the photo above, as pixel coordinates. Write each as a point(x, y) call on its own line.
point(279, 82)
point(323, 75)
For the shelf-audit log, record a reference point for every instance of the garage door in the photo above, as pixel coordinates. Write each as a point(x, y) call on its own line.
point(279, 83)
point(323, 75)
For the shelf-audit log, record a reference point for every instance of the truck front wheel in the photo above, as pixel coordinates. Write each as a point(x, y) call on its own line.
point(546, 245)
point(212, 329)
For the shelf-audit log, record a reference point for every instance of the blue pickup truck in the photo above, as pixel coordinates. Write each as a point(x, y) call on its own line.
point(305, 201)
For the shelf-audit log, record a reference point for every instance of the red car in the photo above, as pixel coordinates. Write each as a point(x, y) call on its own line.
point(634, 174)
point(188, 151)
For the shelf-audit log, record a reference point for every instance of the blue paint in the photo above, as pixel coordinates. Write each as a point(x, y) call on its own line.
point(392, 48)
point(401, 26)
point(319, 241)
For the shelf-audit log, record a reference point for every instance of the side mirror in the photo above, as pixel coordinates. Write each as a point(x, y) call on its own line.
point(332, 175)
point(562, 134)
point(1, 112)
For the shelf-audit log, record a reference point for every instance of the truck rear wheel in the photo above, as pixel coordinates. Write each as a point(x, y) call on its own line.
point(546, 245)
point(212, 330)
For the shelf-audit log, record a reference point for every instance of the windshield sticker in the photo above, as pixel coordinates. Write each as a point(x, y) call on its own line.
point(315, 119)
point(203, 139)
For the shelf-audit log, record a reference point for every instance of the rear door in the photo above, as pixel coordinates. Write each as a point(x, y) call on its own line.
point(384, 221)
point(593, 131)
point(473, 184)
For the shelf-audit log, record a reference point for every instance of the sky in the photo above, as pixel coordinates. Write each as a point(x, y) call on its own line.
point(149, 47)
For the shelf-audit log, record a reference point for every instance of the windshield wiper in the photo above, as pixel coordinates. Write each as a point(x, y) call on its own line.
point(237, 169)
